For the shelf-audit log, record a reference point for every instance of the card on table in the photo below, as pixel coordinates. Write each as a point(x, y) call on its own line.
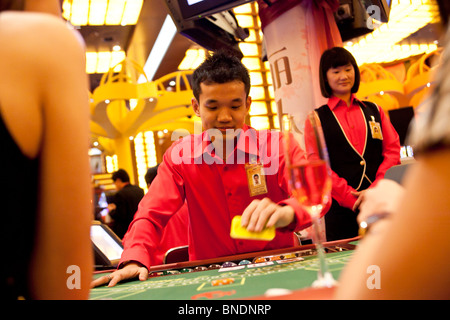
point(239, 232)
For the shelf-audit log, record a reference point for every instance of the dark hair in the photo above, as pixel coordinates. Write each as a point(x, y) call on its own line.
point(333, 58)
point(122, 175)
point(11, 5)
point(444, 9)
point(221, 67)
point(151, 174)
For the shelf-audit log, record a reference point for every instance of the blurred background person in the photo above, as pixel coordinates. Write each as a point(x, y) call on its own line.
point(124, 203)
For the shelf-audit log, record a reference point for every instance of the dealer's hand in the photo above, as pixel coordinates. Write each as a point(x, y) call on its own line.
point(383, 198)
point(265, 213)
point(130, 271)
point(360, 198)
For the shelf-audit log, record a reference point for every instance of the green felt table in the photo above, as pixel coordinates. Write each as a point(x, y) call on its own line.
point(250, 281)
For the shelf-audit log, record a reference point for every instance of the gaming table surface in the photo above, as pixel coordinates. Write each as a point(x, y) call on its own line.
point(250, 281)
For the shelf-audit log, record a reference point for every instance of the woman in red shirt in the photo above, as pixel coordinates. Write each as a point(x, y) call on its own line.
point(361, 141)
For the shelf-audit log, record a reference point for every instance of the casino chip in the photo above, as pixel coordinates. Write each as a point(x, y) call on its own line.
point(169, 272)
point(228, 264)
point(221, 282)
point(261, 259)
point(200, 268)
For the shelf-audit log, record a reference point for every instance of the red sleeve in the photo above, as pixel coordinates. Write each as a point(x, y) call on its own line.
point(341, 191)
point(391, 147)
point(164, 198)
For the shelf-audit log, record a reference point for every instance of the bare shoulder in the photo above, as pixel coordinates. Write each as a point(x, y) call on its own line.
point(42, 56)
point(33, 23)
point(41, 34)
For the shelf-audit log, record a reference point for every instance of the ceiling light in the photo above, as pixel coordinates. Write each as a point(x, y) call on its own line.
point(192, 59)
point(162, 43)
point(131, 12)
point(97, 12)
point(114, 12)
point(406, 17)
point(102, 12)
point(101, 62)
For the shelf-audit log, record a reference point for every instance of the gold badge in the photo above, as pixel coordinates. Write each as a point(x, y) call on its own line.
point(256, 179)
point(375, 129)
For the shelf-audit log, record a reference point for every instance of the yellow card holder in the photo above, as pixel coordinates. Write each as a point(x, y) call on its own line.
point(239, 232)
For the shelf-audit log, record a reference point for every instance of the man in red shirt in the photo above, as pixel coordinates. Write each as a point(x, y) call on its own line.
point(213, 172)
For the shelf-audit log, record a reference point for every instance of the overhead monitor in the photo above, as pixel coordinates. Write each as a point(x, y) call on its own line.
point(212, 32)
point(194, 9)
point(354, 17)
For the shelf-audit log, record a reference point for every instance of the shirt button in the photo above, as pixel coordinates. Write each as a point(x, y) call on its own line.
point(229, 194)
point(362, 162)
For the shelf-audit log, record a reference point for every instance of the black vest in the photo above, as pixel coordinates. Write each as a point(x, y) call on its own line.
point(345, 161)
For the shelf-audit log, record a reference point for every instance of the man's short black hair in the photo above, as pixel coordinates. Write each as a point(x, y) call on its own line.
point(221, 67)
point(151, 174)
point(333, 58)
point(122, 175)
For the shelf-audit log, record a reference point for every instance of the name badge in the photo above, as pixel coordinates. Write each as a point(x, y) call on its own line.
point(256, 179)
point(375, 129)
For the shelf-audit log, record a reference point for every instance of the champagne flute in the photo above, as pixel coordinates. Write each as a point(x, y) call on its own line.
point(310, 181)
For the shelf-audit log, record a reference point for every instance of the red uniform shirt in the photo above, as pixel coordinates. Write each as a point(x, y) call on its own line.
point(175, 234)
point(215, 192)
point(352, 122)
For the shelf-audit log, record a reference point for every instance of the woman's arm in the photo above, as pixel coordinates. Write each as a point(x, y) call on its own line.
point(65, 208)
point(410, 248)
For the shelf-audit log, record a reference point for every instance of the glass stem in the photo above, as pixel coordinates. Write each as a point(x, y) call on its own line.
point(323, 268)
point(317, 239)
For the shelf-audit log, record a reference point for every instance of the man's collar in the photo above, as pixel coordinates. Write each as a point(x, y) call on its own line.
point(247, 142)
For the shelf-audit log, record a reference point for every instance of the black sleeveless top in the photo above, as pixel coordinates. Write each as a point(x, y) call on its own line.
point(18, 210)
point(359, 170)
